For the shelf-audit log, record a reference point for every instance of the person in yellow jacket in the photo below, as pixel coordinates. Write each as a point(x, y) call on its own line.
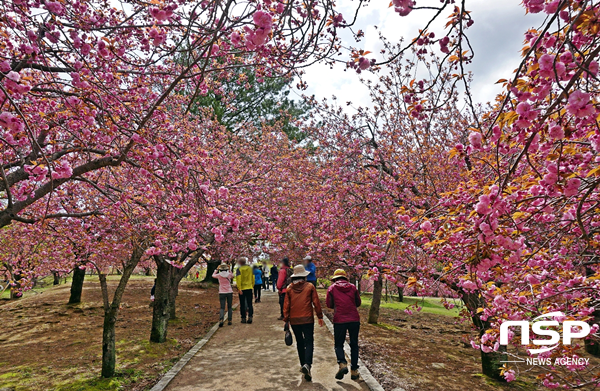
point(244, 278)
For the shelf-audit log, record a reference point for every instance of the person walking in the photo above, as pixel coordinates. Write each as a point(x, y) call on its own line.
point(224, 275)
point(257, 270)
point(344, 298)
point(244, 279)
point(274, 273)
point(283, 280)
point(265, 277)
point(312, 269)
point(153, 291)
point(301, 303)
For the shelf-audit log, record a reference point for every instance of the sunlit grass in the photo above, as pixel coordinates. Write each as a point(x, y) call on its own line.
point(431, 305)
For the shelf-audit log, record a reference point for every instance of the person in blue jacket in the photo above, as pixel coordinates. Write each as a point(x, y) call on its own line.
point(257, 283)
point(310, 267)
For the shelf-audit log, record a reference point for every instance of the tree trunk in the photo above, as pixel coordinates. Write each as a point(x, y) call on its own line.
point(387, 297)
point(210, 269)
point(592, 344)
point(161, 310)
point(111, 311)
point(401, 294)
point(77, 285)
point(109, 356)
point(491, 364)
point(376, 302)
point(56, 278)
point(173, 292)
point(167, 288)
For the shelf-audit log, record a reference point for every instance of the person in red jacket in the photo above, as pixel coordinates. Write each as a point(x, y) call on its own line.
point(344, 298)
point(283, 280)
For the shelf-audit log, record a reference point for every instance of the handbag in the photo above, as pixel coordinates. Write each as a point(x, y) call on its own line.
point(288, 335)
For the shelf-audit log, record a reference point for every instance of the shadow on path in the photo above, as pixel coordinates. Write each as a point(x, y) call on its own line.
point(253, 357)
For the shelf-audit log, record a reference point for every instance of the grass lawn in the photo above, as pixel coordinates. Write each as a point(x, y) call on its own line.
point(431, 305)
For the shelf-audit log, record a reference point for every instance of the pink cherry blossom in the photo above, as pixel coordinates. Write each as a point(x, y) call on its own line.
point(556, 132)
point(426, 226)
point(63, 170)
point(14, 76)
point(572, 187)
point(263, 20)
point(475, 139)
point(364, 63)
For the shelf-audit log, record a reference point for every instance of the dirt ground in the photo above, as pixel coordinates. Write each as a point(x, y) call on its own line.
point(46, 344)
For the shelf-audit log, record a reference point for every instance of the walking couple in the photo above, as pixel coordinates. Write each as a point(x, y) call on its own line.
point(245, 281)
point(302, 301)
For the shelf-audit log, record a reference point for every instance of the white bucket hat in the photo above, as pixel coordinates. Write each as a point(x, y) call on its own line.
point(299, 271)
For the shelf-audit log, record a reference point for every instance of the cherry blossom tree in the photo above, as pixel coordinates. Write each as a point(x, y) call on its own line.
point(82, 82)
point(517, 237)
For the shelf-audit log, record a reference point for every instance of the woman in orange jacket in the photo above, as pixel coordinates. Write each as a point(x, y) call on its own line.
point(301, 302)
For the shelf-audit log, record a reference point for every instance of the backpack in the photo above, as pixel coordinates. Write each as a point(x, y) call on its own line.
point(288, 277)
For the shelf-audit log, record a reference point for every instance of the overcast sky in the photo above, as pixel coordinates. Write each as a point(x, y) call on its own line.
point(496, 36)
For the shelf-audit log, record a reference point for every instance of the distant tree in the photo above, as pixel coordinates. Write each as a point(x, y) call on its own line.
point(250, 100)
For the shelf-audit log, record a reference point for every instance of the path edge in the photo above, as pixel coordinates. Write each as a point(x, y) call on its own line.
point(364, 372)
point(175, 369)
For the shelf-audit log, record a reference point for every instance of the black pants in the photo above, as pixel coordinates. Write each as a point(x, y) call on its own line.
point(246, 303)
point(281, 301)
point(226, 298)
point(257, 289)
point(339, 337)
point(274, 282)
point(305, 341)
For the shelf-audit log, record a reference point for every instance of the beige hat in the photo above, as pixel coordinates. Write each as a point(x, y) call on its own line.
point(339, 273)
point(299, 271)
point(223, 266)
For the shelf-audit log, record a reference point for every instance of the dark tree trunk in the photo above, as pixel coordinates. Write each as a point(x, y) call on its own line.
point(167, 288)
point(376, 303)
point(109, 353)
point(387, 291)
point(173, 292)
point(161, 310)
point(592, 344)
point(210, 269)
point(56, 278)
point(401, 294)
point(77, 285)
point(491, 364)
point(111, 311)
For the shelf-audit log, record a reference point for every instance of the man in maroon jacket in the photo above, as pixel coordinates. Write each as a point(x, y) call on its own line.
point(344, 298)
